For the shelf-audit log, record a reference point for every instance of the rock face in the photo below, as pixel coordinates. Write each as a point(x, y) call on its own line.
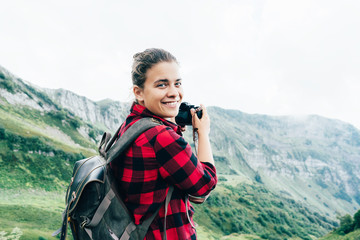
point(17, 92)
point(310, 158)
point(106, 113)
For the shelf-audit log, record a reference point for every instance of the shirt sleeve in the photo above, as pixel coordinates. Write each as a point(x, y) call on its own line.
point(179, 165)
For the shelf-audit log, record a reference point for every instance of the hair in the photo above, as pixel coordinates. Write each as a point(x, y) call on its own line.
point(143, 61)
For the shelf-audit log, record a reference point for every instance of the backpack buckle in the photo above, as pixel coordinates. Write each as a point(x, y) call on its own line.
point(85, 222)
point(73, 195)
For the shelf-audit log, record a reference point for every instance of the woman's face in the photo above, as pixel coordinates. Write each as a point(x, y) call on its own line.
point(162, 92)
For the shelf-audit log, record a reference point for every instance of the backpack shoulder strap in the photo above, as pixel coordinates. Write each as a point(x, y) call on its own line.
point(143, 228)
point(129, 137)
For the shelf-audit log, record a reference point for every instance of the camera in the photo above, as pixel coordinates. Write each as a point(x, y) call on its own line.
point(184, 116)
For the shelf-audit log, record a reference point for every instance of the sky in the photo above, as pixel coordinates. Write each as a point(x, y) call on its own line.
point(268, 57)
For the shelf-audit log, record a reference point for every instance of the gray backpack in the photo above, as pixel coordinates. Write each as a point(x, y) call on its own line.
point(94, 209)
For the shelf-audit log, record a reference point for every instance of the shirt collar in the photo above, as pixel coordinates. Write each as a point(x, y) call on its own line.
point(138, 110)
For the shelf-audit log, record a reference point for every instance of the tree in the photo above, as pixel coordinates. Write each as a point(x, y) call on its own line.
point(346, 224)
point(357, 220)
point(2, 133)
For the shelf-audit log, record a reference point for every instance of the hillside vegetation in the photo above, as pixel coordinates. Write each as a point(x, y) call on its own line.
point(252, 209)
point(31, 162)
point(349, 228)
point(37, 163)
point(236, 211)
point(279, 178)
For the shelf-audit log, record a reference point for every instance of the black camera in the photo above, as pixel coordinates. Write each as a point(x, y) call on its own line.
point(184, 116)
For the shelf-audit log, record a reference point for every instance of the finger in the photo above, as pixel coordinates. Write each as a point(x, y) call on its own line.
point(194, 118)
point(203, 108)
point(193, 114)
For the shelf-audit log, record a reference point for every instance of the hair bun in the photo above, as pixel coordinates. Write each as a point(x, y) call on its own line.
point(137, 55)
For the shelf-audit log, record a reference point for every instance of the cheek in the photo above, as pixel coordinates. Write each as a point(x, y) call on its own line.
point(153, 96)
point(181, 92)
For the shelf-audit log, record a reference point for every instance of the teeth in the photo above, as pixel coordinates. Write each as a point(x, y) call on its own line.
point(171, 103)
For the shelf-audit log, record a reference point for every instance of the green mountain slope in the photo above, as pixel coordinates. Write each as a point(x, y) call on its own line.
point(350, 236)
point(39, 140)
point(252, 209)
point(312, 159)
point(279, 177)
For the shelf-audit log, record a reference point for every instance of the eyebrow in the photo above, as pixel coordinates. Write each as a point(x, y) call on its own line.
point(166, 80)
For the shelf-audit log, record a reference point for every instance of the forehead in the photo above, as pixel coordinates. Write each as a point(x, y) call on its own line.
point(163, 70)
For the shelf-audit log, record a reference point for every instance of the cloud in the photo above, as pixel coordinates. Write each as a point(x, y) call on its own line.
point(271, 57)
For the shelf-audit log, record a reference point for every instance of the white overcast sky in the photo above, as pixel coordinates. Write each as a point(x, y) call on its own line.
point(269, 57)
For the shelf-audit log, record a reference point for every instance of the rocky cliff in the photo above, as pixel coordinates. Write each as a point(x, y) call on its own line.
point(310, 158)
point(107, 114)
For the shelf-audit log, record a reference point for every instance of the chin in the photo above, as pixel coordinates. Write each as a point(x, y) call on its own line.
point(167, 113)
point(166, 116)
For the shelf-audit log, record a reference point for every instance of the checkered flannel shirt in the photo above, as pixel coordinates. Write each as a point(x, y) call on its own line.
point(160, 157)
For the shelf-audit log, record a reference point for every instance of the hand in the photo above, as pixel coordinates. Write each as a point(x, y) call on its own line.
point(202, 126)
point(182, 128)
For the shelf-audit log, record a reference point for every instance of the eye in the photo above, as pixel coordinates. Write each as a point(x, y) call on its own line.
point(161, 85)
point(178, 84)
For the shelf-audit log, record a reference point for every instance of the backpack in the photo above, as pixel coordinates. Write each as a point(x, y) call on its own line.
point(94, 209)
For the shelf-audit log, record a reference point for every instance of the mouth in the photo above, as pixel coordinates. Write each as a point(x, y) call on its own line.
point(171, 104)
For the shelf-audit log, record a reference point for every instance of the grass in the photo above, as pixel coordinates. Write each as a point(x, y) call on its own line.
point(24, 168)
point(350, 236)
point(36, 212)
point(205, 233)
point(251, 209)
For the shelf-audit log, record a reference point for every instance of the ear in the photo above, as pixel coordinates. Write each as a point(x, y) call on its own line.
point(138, 92)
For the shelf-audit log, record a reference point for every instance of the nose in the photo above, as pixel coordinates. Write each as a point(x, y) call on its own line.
point(173, 91)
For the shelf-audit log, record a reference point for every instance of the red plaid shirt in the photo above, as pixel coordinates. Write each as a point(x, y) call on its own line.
point(158, 158)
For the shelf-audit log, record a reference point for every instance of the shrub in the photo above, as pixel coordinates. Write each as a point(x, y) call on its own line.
point(244, 200)
point(261, 221)
point(2, 75)
point(74, 122)
point(92, 134)
point(59, 115)
point(2, 133)
point(346, 224)
point(357, 220)
point(222, 179)
point(258, 178)
point(8, 85)
point(228, 214)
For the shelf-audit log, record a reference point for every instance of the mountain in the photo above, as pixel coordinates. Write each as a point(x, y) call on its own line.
point(279, 176)
point(312, 159)
point(106, 114)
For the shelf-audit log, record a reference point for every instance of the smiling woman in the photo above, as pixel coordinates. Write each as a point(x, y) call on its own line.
point(160, 159)
point(162, 91)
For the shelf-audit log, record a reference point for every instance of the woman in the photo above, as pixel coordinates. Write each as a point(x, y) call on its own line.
point(160, 157)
